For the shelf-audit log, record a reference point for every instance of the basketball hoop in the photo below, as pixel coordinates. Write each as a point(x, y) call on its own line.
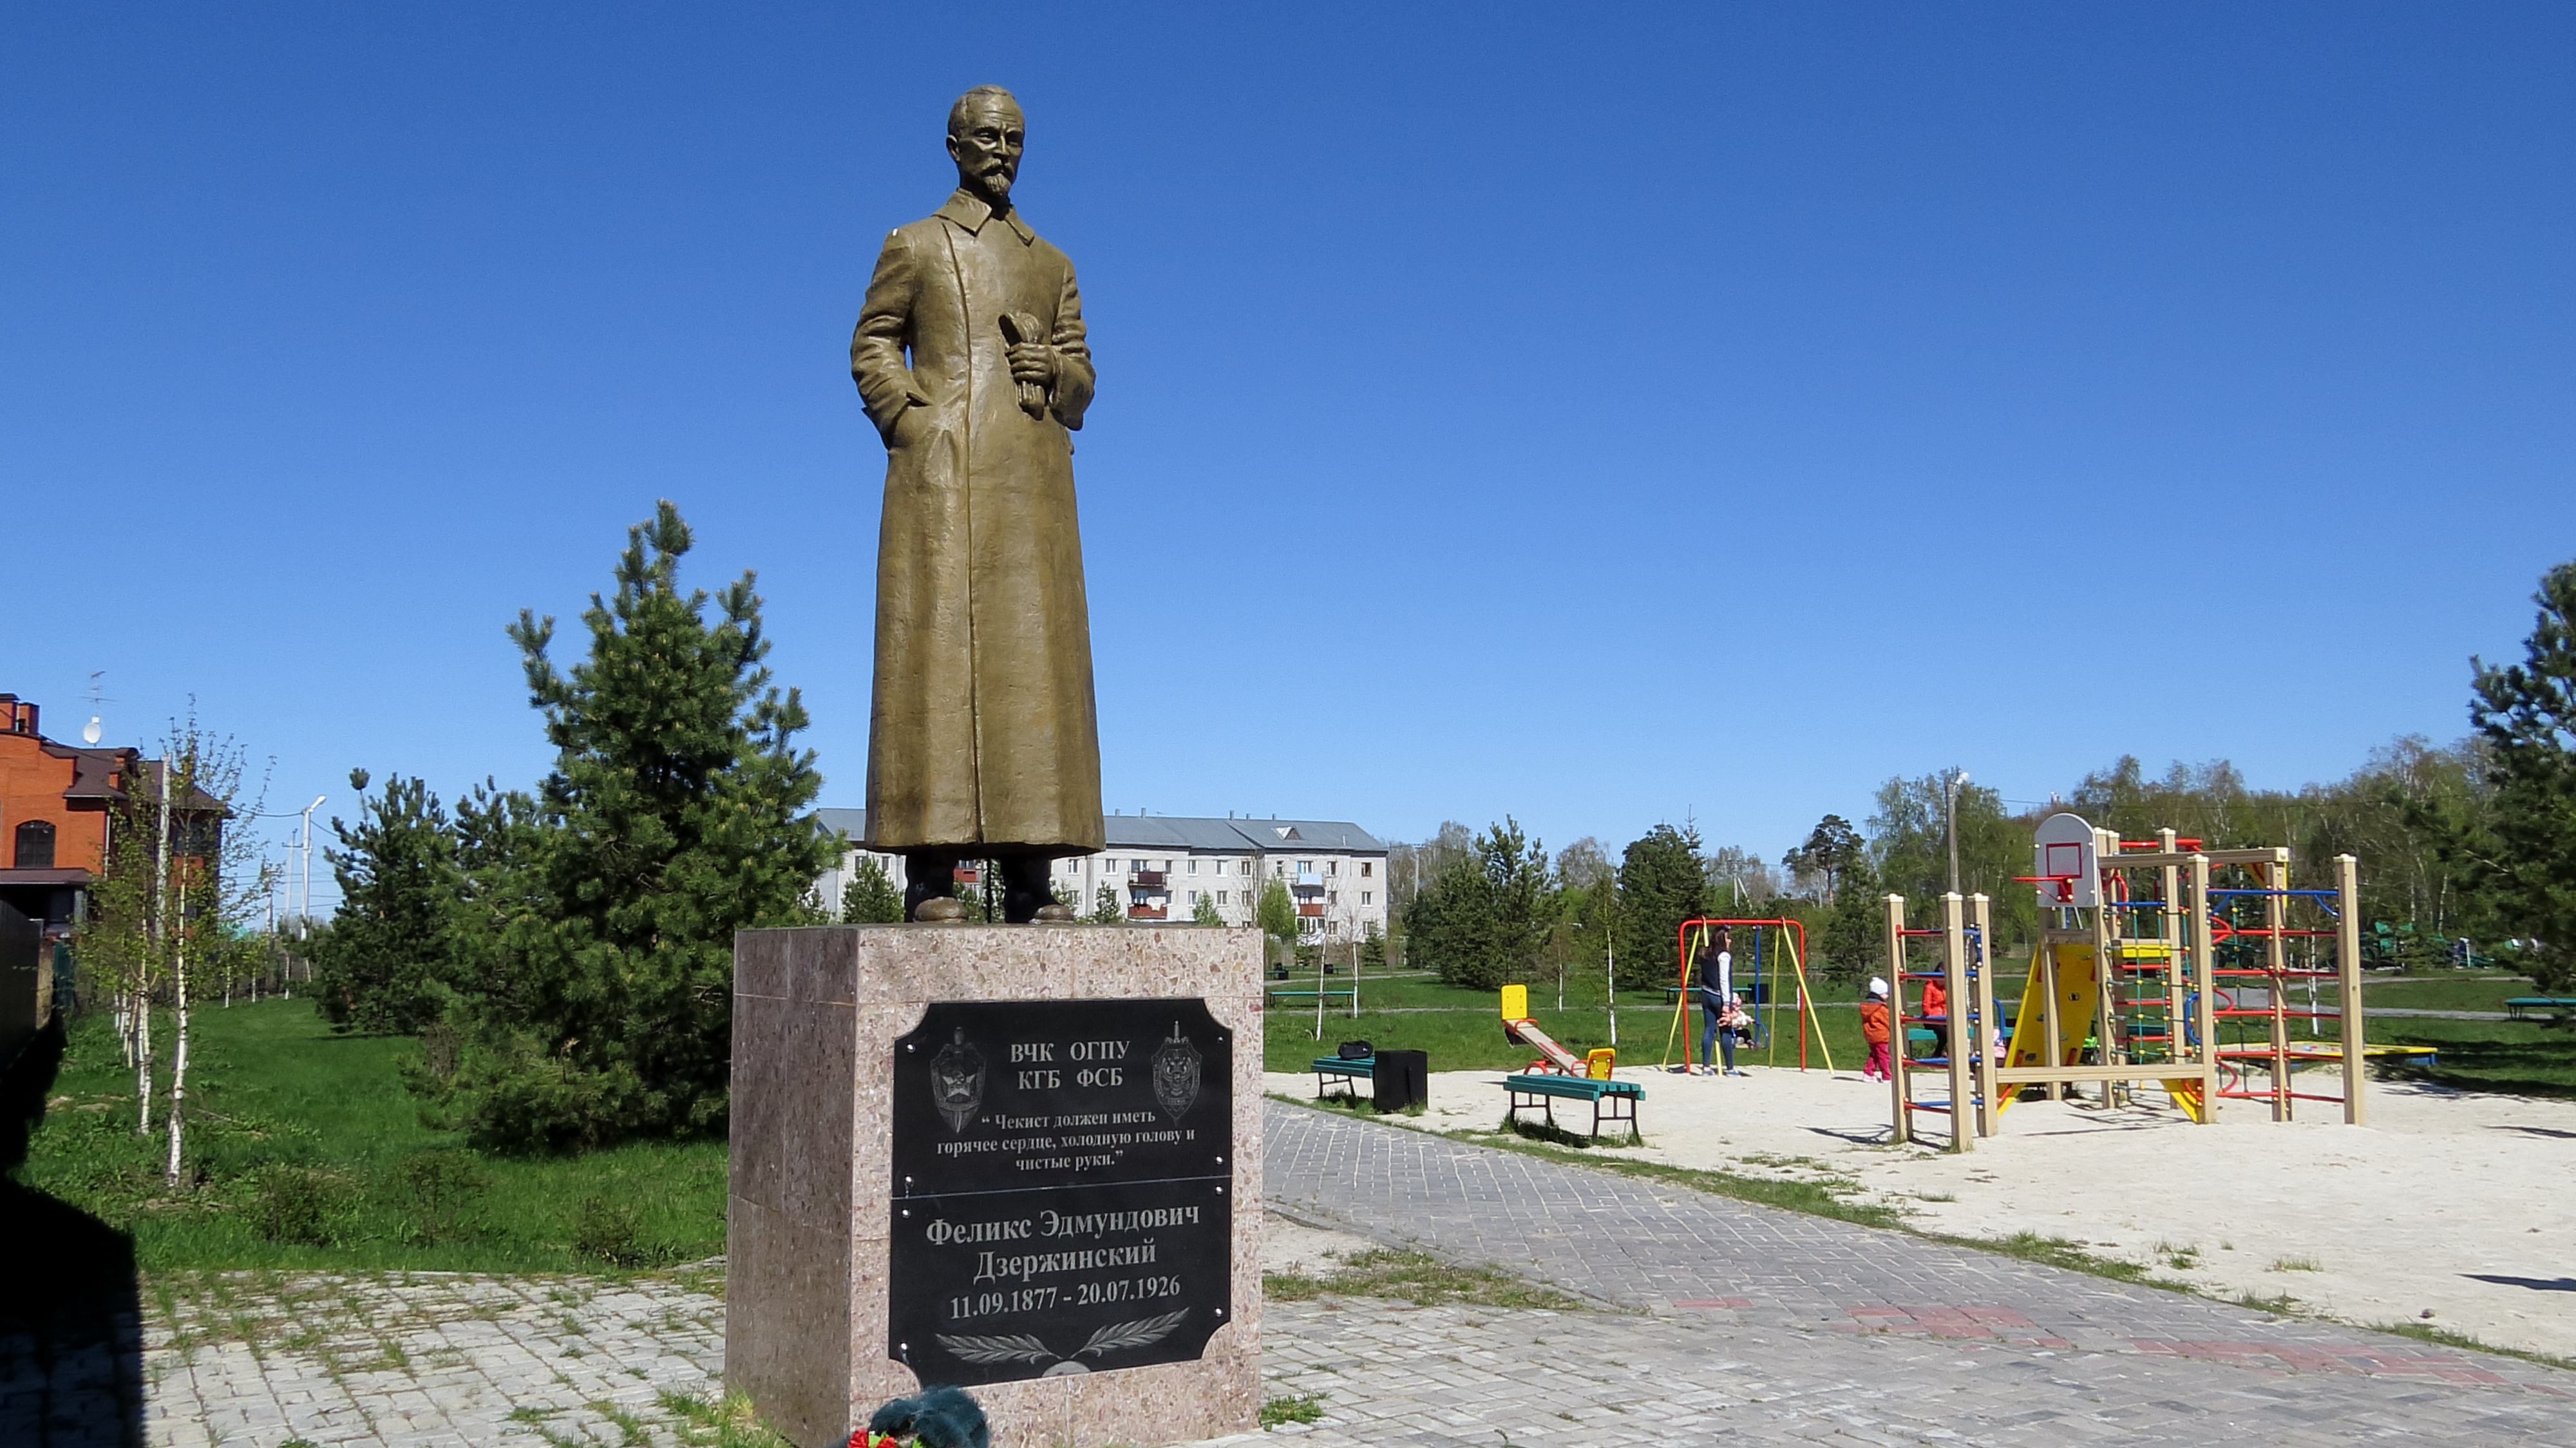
point(2061, 886)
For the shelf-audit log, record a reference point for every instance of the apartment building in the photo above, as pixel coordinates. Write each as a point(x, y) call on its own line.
point(1161, 867)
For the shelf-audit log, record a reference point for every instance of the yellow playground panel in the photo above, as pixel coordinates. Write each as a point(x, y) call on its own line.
point(2074, 967)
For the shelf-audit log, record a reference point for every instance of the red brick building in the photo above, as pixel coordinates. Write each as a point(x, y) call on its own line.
point(55, 803)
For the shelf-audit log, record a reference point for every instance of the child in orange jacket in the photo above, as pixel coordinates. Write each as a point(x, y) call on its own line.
point(1873, 1029)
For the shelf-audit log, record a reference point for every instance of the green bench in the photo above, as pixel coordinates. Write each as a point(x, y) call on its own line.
point(2518, 1006)
point(1545, 1091)
point(1352, 1069)
point(1307, 995)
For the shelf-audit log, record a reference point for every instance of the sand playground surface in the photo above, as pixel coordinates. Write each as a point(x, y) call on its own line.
point(2448, 1201)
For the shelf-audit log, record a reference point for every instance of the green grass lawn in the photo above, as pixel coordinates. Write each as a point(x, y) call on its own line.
point(1461, 1029)
point(306, 1151)
point(2448, 991)
point(2523, 1058)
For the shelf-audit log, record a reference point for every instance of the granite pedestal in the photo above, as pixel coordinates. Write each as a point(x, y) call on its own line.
point(811, 1209)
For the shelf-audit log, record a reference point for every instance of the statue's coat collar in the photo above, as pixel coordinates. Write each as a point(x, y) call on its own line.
point(969, 211)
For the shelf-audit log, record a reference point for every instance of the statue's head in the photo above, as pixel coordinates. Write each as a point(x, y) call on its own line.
point(985, 133)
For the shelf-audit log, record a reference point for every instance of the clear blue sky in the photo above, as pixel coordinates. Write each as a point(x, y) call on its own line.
point(1586, 413)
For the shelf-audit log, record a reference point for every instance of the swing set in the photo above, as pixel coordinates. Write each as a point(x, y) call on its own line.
point(1788, 938)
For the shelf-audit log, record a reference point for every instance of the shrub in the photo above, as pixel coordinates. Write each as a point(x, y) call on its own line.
point(439, 1043)
point(300, 1204)
point(440, 1190)
point(610, 1230)
point(510, 1095)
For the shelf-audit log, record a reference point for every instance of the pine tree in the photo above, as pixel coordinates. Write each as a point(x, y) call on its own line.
point(1830, 847)
point(1660, 886)
point(871, 898)
point(2520, 859)
point(675, 815)
point(1104, 907)
point(1853, 941)
point(1482, 919)
point(390, 956)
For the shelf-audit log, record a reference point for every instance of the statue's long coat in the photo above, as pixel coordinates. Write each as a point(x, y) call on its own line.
point(984, 730)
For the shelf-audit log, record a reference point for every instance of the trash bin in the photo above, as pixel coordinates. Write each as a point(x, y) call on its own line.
point(1403, 1080)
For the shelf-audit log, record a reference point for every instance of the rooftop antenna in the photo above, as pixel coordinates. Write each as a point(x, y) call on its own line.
point(93, 731)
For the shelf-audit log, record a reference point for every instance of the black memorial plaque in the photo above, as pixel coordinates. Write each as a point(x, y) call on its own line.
point(1061, 1188)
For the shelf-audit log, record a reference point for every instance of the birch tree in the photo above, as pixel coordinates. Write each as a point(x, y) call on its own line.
point(158, 932)
point(214, 883)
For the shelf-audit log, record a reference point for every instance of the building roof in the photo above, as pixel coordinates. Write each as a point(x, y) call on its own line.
point(94, 771)
point(1193, 833)
point(65, 875)
point(1174, 832)
point(1311, 834)
point(197, 802)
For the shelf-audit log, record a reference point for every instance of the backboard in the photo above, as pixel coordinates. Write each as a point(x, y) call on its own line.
point(2062, 856)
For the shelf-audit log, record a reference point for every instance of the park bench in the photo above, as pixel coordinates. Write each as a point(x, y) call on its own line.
point(1545, 1090)
point(2519, 1006)
point(1277, 996)
point(1351, 1069)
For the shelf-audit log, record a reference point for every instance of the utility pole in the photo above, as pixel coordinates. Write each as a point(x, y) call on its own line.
point(1610, 972)
point(268, 947)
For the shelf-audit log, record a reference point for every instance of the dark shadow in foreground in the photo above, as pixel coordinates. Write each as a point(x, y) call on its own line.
point(2536, 1284)
point(71, 1322)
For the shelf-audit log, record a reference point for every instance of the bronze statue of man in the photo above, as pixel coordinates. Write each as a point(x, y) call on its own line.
point(983, 742)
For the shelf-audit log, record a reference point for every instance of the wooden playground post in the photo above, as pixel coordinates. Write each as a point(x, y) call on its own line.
point(1955, 1022)
point(2276, 959)
point(2050, 1034)
point(2348, 973)
point(2204, 980)
point(1982, 916)
point(1899, 1093)
point(2106, 965)
point(2169, 930)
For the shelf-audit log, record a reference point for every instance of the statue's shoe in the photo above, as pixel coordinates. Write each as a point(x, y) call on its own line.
point(940, 910)
point(1053, 915)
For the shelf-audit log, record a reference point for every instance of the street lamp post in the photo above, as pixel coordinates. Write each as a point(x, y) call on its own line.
point(304, 916)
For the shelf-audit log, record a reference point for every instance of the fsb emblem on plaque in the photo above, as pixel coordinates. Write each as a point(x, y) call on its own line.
point(1060, 1199)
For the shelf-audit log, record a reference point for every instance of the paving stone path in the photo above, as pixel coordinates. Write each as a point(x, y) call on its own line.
point(1719, 1323)
point(1747, 1324)
point(255, 1360)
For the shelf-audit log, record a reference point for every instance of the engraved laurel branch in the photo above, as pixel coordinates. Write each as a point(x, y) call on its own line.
point(1018, 1348)
point(1021, 1347)
point(1143, 1332)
